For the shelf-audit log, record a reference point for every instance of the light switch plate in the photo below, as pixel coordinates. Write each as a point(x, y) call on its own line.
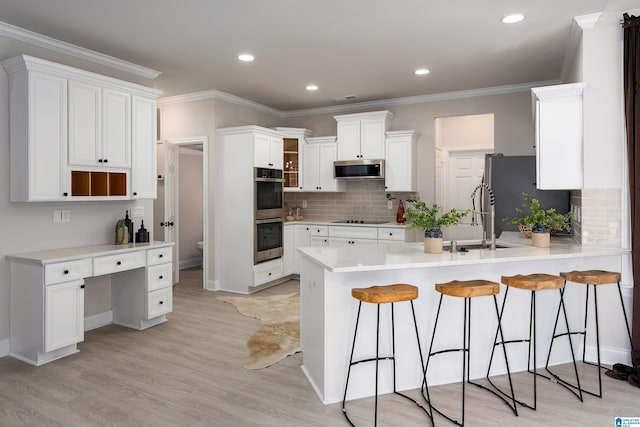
point(65, 216)
point(57, 215)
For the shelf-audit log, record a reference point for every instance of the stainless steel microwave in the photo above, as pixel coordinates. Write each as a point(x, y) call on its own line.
point(358, 169)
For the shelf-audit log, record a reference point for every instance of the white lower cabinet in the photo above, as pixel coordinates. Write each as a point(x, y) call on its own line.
point(64, 315)
point(319, 241)
point(267, 271)
point(47, 295)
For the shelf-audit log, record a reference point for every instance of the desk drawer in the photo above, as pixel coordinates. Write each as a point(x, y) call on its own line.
point(67, 271)
point(159, 276)
point(120, 262)
point(159, 256)
point(396, 234)
point(159, 302)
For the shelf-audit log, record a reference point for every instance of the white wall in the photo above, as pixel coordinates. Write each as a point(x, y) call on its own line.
point(27, 227)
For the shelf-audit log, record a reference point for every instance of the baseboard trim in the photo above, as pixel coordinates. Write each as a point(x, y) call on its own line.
point(609, 355)
point(98, 320)
point(4, 347)
point(188, 263)
point(213, 285)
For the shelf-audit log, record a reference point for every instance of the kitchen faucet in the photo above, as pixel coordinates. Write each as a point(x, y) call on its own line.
point(491, 214)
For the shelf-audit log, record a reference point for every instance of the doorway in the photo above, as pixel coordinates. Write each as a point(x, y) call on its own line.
point(461, 145)
point(181, 215)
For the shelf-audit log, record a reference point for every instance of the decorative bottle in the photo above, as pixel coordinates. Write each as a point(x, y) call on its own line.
point(400, 219)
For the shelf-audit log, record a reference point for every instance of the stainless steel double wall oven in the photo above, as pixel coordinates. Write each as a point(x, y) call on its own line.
point(268, 200)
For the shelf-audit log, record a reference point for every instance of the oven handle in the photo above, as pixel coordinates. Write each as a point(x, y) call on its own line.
point(269, 179)
point(268, 220)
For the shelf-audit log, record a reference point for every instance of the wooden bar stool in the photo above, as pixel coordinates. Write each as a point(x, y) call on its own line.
point(382, 295)
point(533, 283)
point(591, 278)
point(468, 290)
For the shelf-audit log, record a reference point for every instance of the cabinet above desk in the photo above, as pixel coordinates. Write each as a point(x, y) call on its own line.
point(47, 294)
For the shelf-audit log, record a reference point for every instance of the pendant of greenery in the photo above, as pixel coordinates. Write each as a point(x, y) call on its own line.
point(426, 218)
point(540, 220)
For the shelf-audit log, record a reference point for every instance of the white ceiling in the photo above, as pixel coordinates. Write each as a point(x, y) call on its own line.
point(368, 48)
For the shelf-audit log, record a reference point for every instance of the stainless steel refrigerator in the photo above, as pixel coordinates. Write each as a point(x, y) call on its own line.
point(509, 177)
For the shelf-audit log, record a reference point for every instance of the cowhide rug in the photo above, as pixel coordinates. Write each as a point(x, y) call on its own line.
point(279, 335)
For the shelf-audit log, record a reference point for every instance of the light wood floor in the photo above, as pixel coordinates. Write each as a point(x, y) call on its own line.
point(188, 372)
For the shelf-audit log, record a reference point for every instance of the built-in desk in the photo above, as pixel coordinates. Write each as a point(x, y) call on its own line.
point(47, 294)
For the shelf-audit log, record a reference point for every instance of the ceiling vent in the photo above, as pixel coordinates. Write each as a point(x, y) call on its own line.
point(346, 98)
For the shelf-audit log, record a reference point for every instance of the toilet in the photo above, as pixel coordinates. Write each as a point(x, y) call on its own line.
point(200, 246)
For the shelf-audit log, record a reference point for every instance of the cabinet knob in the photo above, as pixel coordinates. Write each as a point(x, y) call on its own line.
point(160, 277)
point(270, 164)
point(161, 302)
point(66, 272)
point(105, 160)
point(100, 160)
point(269, 274)
point(160, 256)
point(390, 234)
point(119, 263)
point(65, 194)
point(135, 193)
point(81, 286)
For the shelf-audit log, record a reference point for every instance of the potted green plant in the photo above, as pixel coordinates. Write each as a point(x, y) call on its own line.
point(539, 223)
point(426, 218)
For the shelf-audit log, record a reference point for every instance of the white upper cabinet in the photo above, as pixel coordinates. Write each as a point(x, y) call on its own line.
point(294, 140)
point(319, 155)
point(267, 151)
point(68, 125)
point(99, 126)
point(362, 135)
point(400, 172)
point(143, 155)
point(559, 136)
point(38, 135)
point(116, 129)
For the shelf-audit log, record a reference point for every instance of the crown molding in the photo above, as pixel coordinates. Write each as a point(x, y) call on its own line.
point(220, 95)
point(358, 106)
point(408, 100)
point(587, 21)
point(27, 36)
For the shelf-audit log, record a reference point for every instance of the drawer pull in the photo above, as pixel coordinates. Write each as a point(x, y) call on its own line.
point(161, 302)
point(81, 286)
point(160, 256)
point(119, 263)
point(66, 272)
point(161, 277)
point(390, 234)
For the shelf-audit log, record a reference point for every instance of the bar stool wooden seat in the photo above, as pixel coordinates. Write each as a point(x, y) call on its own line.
point(384, 295)
point(468, 290)
point(590, 278)
point(532, 283)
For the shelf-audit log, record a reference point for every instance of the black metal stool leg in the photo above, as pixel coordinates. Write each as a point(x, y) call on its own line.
point(375, 417)
point(575, 389)
point(353, 346)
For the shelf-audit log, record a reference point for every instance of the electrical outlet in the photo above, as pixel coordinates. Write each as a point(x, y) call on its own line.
point(389, 204)
point(65, 216)
point(304, 204)
point(137, 211)
point(57, 215)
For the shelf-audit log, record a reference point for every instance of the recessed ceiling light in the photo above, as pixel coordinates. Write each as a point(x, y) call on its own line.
point(245, 57)
point(513, 18)
point(422, 71)
point(312, 87)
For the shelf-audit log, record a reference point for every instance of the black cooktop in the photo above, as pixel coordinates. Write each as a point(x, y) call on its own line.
point(358, 221)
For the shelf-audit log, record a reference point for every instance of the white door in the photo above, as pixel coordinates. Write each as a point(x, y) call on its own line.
point(463, 171)
point(170, 222)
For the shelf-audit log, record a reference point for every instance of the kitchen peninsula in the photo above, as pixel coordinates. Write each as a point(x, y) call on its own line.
point(328, 312)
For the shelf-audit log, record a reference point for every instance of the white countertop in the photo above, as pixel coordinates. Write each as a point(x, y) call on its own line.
point(342, 224)
point(68, 254)
point(412, 255)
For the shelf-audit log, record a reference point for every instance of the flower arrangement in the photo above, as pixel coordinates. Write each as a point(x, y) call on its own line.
point(424, 217)
point(540, 220)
